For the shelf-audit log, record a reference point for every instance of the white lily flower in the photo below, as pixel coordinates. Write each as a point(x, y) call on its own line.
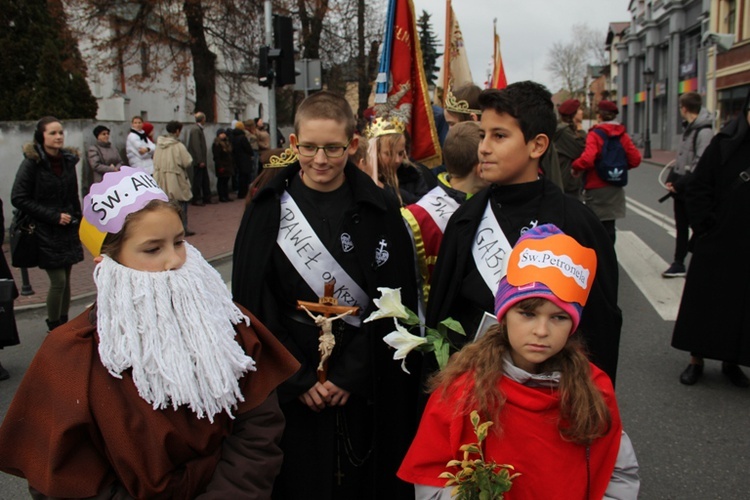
point(404, 342)
point(389, 305)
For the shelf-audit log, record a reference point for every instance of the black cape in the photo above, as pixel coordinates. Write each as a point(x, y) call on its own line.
point(458, 291)
point(714, 320)
point(383, 409)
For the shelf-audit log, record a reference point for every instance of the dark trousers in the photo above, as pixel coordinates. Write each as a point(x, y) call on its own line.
point(201, 185)
point(682, 225)
point(222, 187)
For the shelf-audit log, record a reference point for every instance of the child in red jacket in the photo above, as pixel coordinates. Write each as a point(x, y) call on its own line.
point(555, 414)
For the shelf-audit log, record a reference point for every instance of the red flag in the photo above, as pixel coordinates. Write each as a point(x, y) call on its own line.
point(407, 95)
point(498, 71)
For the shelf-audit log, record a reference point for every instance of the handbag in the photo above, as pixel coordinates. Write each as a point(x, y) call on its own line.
point(24, 249)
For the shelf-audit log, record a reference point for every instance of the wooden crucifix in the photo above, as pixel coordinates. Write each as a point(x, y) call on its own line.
point(326, 307)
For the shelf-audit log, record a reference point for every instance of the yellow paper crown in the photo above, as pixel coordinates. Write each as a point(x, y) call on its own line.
point(455, 106)
point(284, 159)
point(91, 236)
point(384, 126)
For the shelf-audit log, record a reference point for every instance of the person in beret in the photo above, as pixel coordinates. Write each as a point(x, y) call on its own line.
point(569, 141)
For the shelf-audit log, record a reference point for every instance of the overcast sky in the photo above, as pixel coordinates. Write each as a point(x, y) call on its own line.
point(527, 30)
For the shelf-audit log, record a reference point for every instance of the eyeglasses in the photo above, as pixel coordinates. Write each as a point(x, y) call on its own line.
point(331, 150)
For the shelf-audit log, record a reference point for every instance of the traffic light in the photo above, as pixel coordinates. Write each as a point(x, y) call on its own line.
point(283, 36)
point(265, 66)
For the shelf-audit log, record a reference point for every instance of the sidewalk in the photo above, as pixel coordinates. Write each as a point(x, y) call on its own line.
point(215, 227)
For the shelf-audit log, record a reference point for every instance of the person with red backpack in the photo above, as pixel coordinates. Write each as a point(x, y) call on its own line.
point(605, 162)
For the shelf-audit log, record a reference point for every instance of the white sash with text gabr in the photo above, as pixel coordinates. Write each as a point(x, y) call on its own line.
point(491, 250)
point(439, 205)
point(313, 261)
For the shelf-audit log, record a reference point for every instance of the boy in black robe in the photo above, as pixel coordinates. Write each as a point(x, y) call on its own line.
point(517, 123)
point(321, 218)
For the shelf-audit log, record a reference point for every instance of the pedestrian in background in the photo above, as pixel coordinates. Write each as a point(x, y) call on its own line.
point(8, 329)
point(714, 320)
point(251, 132)
point(46, 188)
point(171, 163)
point(196, 146)
point(243, 159)
point(221, 150)
point(138, 147)
point(103, 155)
point(698, 133)
point(569, 143)
point(605, 199)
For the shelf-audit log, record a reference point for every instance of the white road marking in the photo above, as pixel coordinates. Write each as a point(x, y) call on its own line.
point(644, 266)
point(648, 213)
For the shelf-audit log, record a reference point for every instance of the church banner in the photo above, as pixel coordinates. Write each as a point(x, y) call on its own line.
point(401, 90)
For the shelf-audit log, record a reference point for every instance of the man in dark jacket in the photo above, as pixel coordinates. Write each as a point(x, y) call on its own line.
point(698, 133)
point(196, 146)
point(714, 321)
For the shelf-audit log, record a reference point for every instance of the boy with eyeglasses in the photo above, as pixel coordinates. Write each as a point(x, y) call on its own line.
point(322, 219)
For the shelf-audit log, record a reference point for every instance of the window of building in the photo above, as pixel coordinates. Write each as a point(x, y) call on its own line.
point(731, 102)
point(689, 45)
point(730, 16)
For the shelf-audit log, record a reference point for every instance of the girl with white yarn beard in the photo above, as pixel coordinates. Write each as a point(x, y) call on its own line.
point(164, 387)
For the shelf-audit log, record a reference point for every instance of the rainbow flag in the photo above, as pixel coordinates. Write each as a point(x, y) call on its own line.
point(498, 71)
point(401, 86)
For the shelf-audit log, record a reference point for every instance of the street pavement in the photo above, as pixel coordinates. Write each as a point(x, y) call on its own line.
point(691, 442)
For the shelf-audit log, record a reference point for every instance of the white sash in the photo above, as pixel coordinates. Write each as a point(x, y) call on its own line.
point(313, 261)
point(439, 205)
point(491, 250)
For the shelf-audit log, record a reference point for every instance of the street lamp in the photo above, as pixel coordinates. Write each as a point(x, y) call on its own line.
point(591, 104)
point(648, 77)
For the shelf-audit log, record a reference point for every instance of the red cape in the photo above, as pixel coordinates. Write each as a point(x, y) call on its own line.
point(550, 467)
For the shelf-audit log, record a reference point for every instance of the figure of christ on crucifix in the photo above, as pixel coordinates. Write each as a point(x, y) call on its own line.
point(326, 306)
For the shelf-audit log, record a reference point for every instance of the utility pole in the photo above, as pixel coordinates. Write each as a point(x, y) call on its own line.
point(272, 88)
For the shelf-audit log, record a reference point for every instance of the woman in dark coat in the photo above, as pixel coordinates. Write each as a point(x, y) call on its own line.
point(243, 158)
point(714, 321)
point(46, 188)
point(224, 163)
point(8, 330)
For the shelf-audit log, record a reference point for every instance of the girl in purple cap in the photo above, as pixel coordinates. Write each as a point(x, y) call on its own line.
point(555, 415)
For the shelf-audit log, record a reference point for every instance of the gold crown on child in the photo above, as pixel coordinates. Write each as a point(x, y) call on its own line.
point(385, 126)
point(280, 161)
point(455, 106)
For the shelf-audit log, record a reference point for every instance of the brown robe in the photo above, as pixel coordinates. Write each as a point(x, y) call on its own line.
point(75, 431)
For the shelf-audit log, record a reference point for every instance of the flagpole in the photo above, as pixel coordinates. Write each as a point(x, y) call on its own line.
point(494, 53)
point(447, 47)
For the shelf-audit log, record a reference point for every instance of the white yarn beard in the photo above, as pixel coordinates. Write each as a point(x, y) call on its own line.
point(174, 329)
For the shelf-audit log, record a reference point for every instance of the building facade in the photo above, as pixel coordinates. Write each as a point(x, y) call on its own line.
point(663, 44)
point(729, 66)
point(152, 77)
